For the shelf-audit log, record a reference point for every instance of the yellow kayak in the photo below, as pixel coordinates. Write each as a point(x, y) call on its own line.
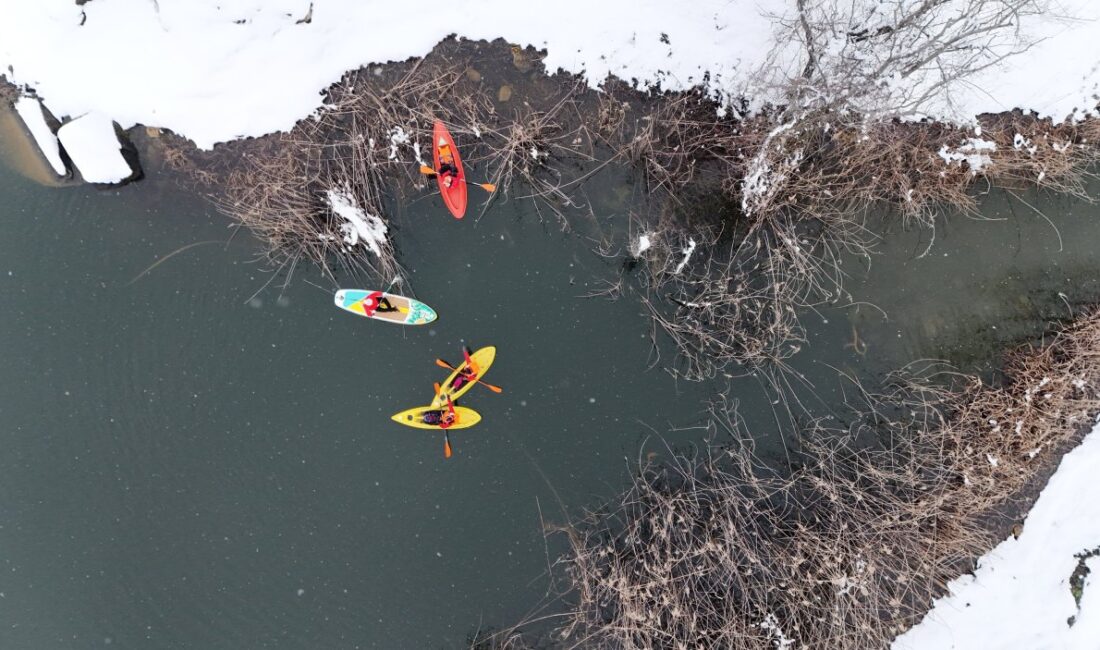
point(414, 417)
point(481, 359)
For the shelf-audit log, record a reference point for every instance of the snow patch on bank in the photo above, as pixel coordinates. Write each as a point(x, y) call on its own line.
point(359, 226)
point(93, 146)
point(31, 111)
point(1020, 595)
point(975, 152)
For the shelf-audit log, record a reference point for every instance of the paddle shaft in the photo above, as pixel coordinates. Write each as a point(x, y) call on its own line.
point(477, 380)
point(446, 433)
point(488, 187)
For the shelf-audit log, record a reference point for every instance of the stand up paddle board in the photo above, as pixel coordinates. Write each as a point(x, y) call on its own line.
point(385, 306)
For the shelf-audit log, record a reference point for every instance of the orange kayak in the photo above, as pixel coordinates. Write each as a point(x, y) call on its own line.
point(455, 195)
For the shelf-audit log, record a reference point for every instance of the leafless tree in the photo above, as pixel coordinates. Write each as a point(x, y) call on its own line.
point(835, 147)
point(896, 58)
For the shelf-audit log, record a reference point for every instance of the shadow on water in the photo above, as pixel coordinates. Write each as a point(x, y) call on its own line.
point(186, 467)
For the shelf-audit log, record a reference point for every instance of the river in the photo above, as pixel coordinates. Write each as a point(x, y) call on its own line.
point(196, 457)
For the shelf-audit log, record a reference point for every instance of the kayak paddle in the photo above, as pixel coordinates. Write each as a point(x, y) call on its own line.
point(443, 364)
point(446, 433)
point(488, 187)
point(446, 437)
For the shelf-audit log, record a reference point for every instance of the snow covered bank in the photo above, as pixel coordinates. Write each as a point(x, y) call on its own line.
point(1020, 596)
point(93, 146)
point(31, 112)
point(215, 71)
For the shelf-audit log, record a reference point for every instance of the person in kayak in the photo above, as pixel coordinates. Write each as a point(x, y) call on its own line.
point(443, 418)
point(448, 171)
point(466, 374)
point(377, 302)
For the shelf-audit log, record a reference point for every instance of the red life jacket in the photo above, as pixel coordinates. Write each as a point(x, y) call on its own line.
point(371, 302)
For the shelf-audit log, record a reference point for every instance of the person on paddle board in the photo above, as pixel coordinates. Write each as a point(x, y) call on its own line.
point(448, 171)
point(376, 302)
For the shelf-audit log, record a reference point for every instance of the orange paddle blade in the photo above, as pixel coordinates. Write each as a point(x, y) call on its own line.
point(446, 446)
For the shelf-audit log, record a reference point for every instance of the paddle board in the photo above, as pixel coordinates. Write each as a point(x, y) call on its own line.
point(384, 306)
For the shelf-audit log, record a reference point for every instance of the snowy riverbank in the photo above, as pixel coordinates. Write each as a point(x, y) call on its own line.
point(215, 72)
point(1020, 596)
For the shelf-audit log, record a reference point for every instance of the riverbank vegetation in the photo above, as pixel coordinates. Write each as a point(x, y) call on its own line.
point(750, 210)
point(847, 546)
point(804, 177)
point(368, 142)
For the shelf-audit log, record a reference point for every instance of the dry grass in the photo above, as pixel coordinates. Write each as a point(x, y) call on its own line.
point(369, 138)
point(845, 169)
point(798, 196)
point(367, 134)
point(853, 546)
point(8, 91)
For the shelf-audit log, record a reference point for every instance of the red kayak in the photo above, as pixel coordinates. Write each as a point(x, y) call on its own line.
point(445, 151)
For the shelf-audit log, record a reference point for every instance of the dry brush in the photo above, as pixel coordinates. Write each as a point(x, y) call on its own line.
point(849, 548)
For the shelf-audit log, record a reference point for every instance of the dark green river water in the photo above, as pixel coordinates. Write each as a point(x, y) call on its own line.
point(186, 467)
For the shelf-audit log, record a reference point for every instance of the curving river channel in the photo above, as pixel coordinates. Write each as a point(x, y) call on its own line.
point(194, 457)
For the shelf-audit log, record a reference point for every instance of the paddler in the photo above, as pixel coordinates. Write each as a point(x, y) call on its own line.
point(467, 373)
point(444, 419)
point(377, 302)
point(447, 171)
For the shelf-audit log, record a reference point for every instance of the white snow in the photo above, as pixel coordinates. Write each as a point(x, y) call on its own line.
point(93, 146)
point(188, 66)
point(359, 226)
point(1059, 77)
point(974, 151)
point(398, 137)
point(1020, 595)
point(644, 243)
point(760, 179)
point(31, 111)
point(780, 641)
point(215, 71)
point(687, 255)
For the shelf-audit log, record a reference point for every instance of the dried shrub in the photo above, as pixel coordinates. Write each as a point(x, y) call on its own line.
point(9, 92)
point(368, 140)
point(851, 548)
point(839, 143)
point(798, 198)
